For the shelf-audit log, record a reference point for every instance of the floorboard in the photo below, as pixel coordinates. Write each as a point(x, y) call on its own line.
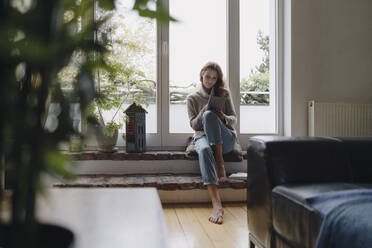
point(176, 235)
point(188, 226)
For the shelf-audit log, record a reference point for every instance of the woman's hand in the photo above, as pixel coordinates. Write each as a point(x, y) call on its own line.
point(204, 108)
point(220, 114)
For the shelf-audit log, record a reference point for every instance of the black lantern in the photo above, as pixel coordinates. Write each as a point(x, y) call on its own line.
point(135, 127)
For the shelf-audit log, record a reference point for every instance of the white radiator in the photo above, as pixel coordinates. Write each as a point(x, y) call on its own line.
point(339, 119)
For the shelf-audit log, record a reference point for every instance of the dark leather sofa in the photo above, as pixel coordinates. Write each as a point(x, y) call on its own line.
point(284, 171)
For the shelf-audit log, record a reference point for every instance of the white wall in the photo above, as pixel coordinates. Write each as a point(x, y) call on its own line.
point(331, 55)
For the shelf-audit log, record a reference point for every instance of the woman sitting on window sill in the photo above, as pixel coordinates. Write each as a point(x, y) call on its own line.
point(215, 134)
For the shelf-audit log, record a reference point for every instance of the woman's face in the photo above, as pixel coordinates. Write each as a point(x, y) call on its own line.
point(209, 78)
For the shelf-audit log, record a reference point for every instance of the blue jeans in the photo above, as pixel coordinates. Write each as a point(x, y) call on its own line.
point(216, 132)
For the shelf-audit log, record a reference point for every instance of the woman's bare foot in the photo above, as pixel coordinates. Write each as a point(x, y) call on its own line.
point(216, 215)
point(221, 174)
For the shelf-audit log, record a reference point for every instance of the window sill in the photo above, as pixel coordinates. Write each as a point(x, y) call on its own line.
point(122, 155)
point(160, 181)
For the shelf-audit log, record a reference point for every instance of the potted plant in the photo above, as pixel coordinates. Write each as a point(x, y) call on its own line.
point(106, 131)
point(120, 86)
point(107, 110)
point(38, 40)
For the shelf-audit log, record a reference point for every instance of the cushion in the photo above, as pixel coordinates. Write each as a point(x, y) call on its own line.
point(236, 155)
point(302, 225)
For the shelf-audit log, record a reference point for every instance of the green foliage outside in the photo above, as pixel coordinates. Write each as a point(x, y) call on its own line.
point(258, 82)
point(130, 54)
point(259, 79)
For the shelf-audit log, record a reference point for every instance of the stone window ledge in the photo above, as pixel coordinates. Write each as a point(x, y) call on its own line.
point(122, 155)
point(160, 181)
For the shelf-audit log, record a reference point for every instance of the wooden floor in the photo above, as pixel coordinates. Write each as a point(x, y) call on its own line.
point(188, 226)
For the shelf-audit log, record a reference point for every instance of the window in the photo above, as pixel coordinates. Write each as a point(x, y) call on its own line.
point(158, 65)
point(193, 41)
point(257, 88)
point(132, 52)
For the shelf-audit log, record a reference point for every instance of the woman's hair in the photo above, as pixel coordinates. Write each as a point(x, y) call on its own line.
point(220, 84)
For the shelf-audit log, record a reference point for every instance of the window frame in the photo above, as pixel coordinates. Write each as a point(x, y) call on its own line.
point(276, 67)
point(163, 139)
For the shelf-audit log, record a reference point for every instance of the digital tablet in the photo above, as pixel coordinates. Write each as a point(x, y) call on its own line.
point(216, 103)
